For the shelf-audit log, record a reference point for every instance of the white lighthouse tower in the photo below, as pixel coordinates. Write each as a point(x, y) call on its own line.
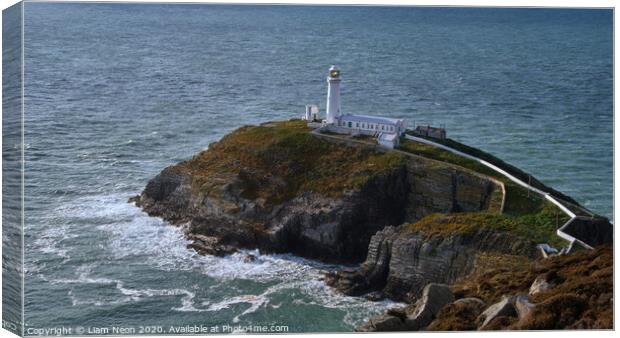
point(333, 95)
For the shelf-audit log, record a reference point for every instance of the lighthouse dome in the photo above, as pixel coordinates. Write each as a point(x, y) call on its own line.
point(334, 72)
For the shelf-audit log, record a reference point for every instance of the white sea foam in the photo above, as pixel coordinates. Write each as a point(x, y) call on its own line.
point(130, 234)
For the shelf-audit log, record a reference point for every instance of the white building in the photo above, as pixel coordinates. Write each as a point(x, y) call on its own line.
point(388, 140)
point(386, 130)
point(312, 112)
point(371, 124)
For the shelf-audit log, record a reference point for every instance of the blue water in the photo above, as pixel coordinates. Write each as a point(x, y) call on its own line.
point(117, 92)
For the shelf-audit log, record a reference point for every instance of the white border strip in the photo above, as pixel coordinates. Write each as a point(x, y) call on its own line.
point(23, 173)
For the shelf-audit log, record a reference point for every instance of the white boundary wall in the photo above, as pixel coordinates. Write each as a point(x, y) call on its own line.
point(546, 195)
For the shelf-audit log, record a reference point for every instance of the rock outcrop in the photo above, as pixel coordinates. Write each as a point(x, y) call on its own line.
point(420, 224)
point(414, 317)
point(434, 298)
point(578, 295)
point(459, 315)
point(402, 262)
point(540, 284)
point(503, 308)
point(243, 194)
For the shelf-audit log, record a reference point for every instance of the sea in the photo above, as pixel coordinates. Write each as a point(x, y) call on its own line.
point(114, 93)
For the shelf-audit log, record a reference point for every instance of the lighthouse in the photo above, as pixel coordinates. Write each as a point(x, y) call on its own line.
point(386, 130)
point(333, 95)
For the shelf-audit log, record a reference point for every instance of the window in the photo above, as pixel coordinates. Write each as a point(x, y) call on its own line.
point(357, 125)
point(350, 125)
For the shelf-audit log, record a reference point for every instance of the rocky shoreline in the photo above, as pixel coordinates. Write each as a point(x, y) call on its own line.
point(312, 224)
point(564, 292)
point(277, 188)
point(402, 262)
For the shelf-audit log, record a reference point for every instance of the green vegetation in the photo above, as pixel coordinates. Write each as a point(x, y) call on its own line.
point(540, 227)
point(514, 171)
point(518, 200)
point(525, 213)
point(277, 161)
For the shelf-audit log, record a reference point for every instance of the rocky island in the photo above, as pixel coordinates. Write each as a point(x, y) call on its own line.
point(458, 242)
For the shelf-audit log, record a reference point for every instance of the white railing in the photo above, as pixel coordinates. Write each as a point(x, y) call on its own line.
point(560, 231)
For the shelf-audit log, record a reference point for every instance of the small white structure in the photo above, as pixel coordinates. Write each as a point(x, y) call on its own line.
point(312, 112)
point(386, 130)
point(388, 140)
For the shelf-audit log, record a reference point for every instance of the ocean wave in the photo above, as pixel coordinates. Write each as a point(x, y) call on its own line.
point(128, 234)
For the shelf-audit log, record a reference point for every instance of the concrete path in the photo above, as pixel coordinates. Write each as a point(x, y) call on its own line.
point(545, 194)
point(560, 231)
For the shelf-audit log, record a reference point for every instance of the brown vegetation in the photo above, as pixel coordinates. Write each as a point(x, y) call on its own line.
point(457, 317)
point(278, 160)
point(580, 296)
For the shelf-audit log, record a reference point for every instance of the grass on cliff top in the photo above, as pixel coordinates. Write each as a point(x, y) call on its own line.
point(539, 227)
point(514, 171)
point(518, 200)
point(279, 160)
point(525, 213)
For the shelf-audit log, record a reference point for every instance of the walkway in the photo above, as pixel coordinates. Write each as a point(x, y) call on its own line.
point(560, 231)
point(546, 195)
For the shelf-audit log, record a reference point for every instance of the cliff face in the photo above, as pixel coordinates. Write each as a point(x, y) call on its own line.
point(416, 221)
point(401, 262)
point(437, 188)
point(293, 192)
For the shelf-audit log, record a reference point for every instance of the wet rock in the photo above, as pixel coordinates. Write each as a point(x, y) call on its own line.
point(249, 258)
point(372, 274)
point(375, 296)
point(208, 245)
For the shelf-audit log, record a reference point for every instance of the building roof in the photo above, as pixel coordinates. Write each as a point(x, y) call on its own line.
point(387, 137)
point(371, 119)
